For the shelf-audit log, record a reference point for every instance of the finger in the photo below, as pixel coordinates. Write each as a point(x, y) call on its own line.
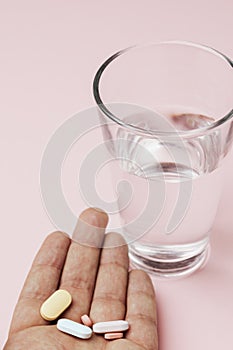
point(141, 311)
point(82, 261)
point(111, 285)
point(41, 282)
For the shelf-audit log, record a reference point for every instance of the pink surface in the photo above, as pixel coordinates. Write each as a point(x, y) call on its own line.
point(49, 53)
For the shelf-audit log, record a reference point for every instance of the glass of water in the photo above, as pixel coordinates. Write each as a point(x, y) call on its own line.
point(166, 110)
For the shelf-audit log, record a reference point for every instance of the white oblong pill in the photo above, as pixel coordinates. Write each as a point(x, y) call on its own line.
point(110, 326)
point(74, 328)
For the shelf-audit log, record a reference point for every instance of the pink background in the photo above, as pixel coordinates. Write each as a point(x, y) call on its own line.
point(50, 50)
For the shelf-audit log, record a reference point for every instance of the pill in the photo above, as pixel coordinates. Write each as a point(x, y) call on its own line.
point(86, 320)
point(110, 326)
point(74, 328)
point(112, 336)
point(55, 305)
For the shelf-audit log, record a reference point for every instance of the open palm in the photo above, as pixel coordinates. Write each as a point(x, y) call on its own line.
point(100, 285)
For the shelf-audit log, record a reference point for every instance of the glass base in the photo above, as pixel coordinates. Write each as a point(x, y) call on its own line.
point(169, 261)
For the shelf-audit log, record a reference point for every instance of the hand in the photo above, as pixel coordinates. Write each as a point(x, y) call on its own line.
point(100, 285)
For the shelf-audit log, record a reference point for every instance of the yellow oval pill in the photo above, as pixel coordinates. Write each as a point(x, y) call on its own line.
point(55, 305)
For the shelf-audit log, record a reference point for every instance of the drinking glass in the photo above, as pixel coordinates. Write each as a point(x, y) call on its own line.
point(167, 115)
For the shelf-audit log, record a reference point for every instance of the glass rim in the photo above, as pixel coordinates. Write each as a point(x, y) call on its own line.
point(113, 117)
